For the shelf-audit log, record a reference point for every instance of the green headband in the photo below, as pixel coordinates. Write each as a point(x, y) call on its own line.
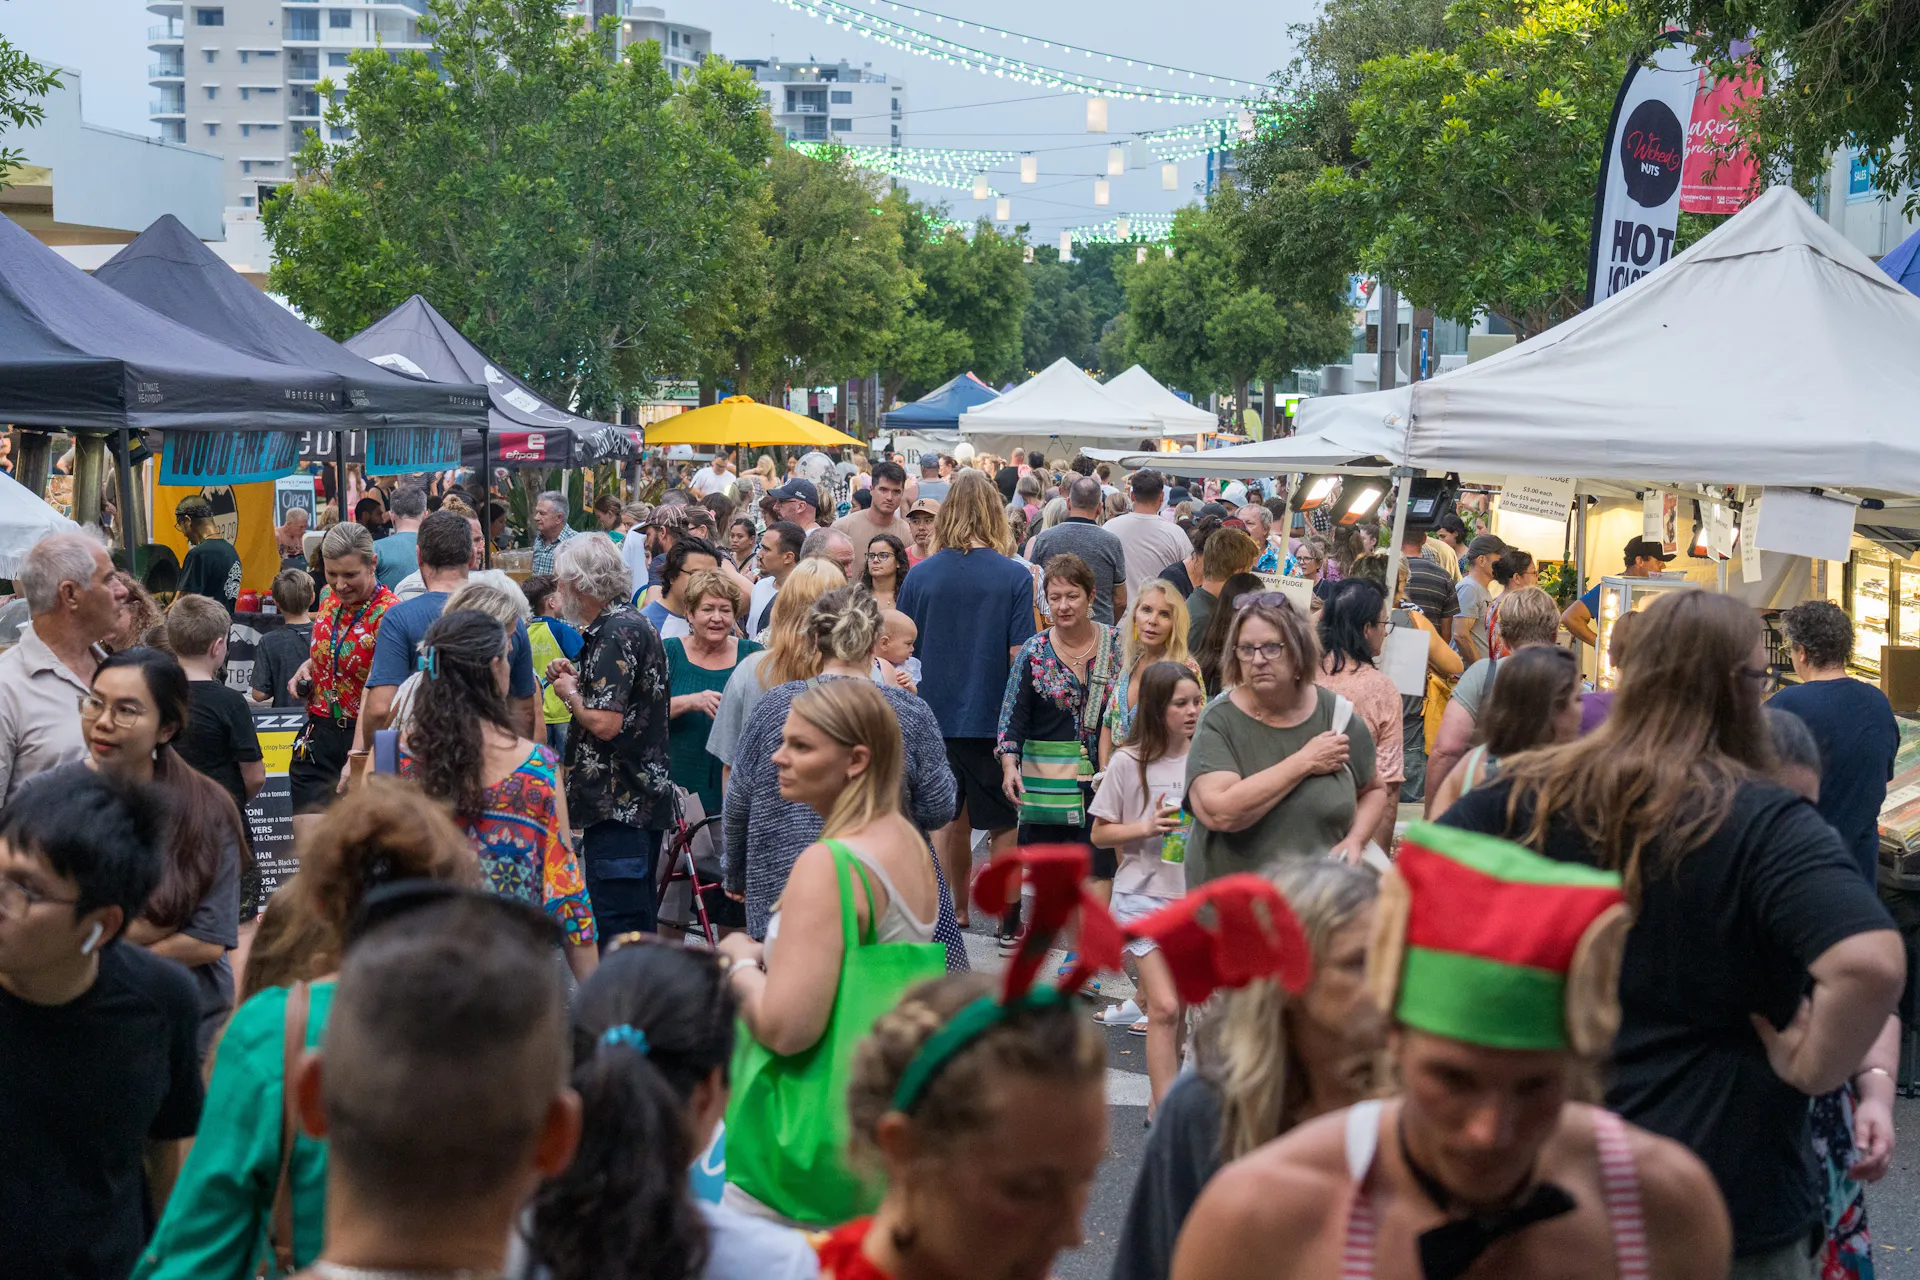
point(963, 1030)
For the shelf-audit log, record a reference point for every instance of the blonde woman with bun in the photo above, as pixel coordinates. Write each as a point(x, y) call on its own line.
point(790, 655)
point(767, 830)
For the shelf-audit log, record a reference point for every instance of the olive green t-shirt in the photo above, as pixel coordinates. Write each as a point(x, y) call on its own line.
point(1309, 820)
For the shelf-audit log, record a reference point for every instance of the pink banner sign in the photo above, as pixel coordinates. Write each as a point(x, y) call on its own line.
point(1718, 174)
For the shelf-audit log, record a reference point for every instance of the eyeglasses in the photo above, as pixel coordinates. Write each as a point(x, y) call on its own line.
point(16, 899)
point(879, 555)
point(1387, 624)
point(1269, 652)
point(125, 711)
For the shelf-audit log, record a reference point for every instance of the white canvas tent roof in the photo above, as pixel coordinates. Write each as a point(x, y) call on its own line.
point(24, 520)
point(1143, 391)
point(1058, 403)
point(1772, 352)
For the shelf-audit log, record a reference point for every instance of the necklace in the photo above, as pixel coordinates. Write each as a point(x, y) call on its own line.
point(340, 1271)
point(1069, 655)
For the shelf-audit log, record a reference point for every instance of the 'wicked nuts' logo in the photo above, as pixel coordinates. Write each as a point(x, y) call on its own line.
point(1651, 149)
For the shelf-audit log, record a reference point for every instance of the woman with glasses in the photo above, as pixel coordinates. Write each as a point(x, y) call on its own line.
point(1280, 767)
point(886, 565)
point(239, 1181)
point(1354, 627)
point(135, 712)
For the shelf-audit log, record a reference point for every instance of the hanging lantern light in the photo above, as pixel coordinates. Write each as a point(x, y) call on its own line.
point(1028, 256)
point(1245, 123)
point(1029, 168)
point(1140, 255)
point(1066, 246)
point(1096, 115)
point(1003, 210)
point(1169, 177)
point(1123, 227)
point(1100, 191)
point(979, 186)
point(1116, 160)
point(1169, 251)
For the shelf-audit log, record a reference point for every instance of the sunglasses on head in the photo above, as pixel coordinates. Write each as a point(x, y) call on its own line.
point(1265, 599)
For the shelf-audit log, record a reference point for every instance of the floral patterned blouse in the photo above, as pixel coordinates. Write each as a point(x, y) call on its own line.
point(522, 848)
point(1046, 702)
point(342, 652)
point(627, 778)
point(1120, 714)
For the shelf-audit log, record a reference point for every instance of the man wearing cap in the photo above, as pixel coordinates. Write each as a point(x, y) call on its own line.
point(797, 502)
point(646, 555)
point(212, 566)
point(1475, 595)
point(920, 518)
point(932, 484)
point(1644, 558)
point(1499, 970)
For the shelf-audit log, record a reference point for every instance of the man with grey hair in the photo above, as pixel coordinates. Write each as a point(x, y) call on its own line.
point(396, 551)
point(1259, 522)
point(74, 605)
point(618, 790)
point(830, 544)
point(549, 528)
point(1081, 534)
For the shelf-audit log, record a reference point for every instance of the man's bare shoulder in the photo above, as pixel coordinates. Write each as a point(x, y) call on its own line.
point(1263, 1214)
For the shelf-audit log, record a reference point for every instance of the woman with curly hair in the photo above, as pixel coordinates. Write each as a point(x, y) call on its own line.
point(139, 620)
point(461, 745)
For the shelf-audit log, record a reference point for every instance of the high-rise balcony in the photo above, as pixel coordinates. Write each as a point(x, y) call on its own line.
point(159, 71)
point(166, 33)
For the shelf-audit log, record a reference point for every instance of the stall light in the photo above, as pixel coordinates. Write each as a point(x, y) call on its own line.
point(1102, 192)
point(1096, 115)
point(1029, 168)
point(1169, 177)
point(1123, 227)
point(1357, 504)
point(1028, 256)
point(1003, 210)
point(1313, 491)
point(979, 186)
point(1116, 160)
point(1066, 246)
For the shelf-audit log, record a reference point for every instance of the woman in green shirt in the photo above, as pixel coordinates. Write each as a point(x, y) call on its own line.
point(698, 665)
point(216, 1222)
point(1278, 766)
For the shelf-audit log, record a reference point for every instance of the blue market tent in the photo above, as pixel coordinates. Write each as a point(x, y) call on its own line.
point(1903, 263)
point(940, 409)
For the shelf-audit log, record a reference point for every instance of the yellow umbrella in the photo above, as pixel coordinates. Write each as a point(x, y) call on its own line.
point(743, 420)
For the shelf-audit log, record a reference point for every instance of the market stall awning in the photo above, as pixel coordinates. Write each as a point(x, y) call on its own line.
point(940, 409)
point(76, 355)
point(24, 520)
point(1143, 391)
point(526, 430)
point(1060, 403)
point(742, 420)
point(1902, 263)
point(1771, 352)
point(169, 270)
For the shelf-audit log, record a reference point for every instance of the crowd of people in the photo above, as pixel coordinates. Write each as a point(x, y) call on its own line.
point(629, 930)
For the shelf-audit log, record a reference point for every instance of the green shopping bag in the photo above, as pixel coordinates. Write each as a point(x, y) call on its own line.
point(787, 1127)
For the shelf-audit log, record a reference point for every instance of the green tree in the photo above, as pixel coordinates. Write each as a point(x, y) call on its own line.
point(1071, 305)
point(969, 296)
point(572, 214)
point(22, 83)
point(1475, 166)
point(1196, 319)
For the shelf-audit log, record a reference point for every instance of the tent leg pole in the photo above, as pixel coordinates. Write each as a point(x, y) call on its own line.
point(121, 464)
point(486, 496)
point(340, 512)
point(1402, 494)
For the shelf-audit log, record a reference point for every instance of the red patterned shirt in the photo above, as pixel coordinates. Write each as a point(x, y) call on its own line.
point(342, 652)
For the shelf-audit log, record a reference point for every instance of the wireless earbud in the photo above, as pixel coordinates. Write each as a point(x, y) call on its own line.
point(93, 939)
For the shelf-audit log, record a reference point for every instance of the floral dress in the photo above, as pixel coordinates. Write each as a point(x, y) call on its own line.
point(342, 653)
point(1050, 721)
point(1120, 715)
point(522, 848)
point(626, 779)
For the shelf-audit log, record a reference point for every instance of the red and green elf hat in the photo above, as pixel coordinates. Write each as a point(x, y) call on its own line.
point(1483, 941)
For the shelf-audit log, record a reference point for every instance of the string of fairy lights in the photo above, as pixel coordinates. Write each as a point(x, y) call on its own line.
point(1128, 79)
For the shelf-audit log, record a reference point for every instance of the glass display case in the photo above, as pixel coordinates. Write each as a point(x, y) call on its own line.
point(1622, 595)
point(1883, 599)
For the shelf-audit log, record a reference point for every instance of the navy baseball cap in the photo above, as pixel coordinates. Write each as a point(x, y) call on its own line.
point(799, 487)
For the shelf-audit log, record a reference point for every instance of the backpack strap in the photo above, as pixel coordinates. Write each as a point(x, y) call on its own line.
point(293, 1044)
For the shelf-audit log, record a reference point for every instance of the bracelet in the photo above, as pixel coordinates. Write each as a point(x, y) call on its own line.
point(1873, 1071)
point(736, 963)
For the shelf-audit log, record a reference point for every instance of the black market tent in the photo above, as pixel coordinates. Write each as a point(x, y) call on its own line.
point(940, 409)
point(168, 269)
point(76, 355)
point(525, 430)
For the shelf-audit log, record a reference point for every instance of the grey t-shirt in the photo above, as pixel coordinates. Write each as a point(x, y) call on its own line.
point(1100, 549)
point(1475, 682)
point(737, 701)
point(1474, 599)
point(1308, 821)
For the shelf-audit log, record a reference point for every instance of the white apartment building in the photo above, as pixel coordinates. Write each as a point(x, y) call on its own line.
point(831, 102)
point(682, 47)
point(239, 76)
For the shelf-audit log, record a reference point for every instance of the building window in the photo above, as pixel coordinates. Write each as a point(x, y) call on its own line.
point(842, 124)
point(339, 132)
point(246, 131)
point(339, 19)
point(209, 17)
point(896, 133)
point(302, 26)
point(896, 106)
point(673, 38)
point(246, 202)
point(213, 128)
point(243, 56)
point(209, 55)
point(213, 92)
point(337, 59)
point(841, 97)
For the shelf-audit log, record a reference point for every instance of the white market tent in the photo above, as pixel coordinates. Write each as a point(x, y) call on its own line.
point(1772, 352)
point(1144, 392)
point(1060, 403)
point(24, 520)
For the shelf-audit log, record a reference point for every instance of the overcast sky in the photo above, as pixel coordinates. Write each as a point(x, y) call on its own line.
point(946, 106)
